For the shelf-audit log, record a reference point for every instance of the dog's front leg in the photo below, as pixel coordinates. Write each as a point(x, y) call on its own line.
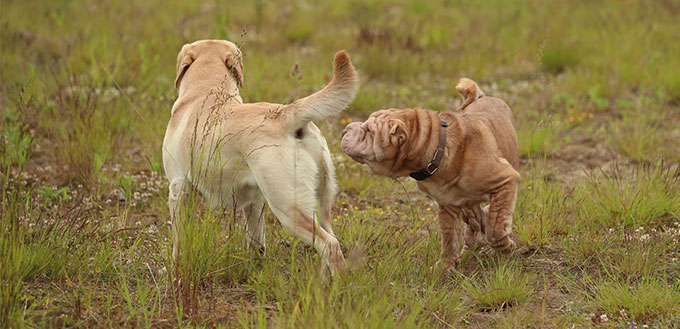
point(254, 214)
point(474, 217)
point(451, 240)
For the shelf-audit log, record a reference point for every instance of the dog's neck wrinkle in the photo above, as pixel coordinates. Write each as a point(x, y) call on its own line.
point(414, 159)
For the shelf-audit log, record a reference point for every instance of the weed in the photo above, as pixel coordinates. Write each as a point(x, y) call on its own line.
point(597, 97)
point(52, 194)
point(127, 186)
point(16, 140)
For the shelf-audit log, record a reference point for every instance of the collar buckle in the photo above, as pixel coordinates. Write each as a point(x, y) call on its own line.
point(429, 171)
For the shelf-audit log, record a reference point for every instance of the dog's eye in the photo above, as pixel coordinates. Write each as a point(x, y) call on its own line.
point(299, 133)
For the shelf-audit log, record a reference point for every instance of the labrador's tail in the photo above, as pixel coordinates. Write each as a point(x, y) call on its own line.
point(330, 100)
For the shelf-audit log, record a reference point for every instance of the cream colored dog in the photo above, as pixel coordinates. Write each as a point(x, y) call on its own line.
point(251, 153)
point(460, 159)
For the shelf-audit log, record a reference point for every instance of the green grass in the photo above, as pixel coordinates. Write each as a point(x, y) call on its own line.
point(535, 141)
point(638, 255)
point(500, 286)
point(649, 298)
point(646, 195)
point(542, 212)
point(558, 58)
point(639, 134)
point(86, 89)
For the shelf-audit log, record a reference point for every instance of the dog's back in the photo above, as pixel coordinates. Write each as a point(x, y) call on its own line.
point(495, 114)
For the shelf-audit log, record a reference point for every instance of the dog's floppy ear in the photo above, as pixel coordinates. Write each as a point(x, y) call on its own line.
point(398, 131)
point(185, 57)
point(469, 91)
point(234, 63)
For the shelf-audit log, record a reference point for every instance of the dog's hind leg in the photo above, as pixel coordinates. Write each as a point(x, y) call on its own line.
point(292, 199)
point(176, 191)
point(326, 191)
point(498, 223)
point(474, 217)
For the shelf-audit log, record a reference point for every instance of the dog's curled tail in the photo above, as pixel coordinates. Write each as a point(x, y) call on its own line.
point(469, 91)
point(328, 101)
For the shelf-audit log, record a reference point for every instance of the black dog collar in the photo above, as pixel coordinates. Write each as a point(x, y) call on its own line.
point(432, 167)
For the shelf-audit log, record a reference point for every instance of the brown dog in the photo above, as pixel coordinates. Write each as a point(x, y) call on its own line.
point(460, 159)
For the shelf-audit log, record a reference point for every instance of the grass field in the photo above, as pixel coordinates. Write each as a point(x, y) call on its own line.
point(86, 89)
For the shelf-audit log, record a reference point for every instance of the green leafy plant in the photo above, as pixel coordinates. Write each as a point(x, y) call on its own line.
point(54, 194)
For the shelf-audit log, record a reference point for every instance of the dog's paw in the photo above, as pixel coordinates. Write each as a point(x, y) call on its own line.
point(507, 250)
point(443, 268)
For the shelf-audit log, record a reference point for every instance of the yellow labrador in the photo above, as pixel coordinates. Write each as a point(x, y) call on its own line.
point(459, 159)
point(252, 153)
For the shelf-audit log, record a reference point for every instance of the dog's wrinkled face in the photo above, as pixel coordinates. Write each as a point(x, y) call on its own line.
point(221, 50)
point(379, 141)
